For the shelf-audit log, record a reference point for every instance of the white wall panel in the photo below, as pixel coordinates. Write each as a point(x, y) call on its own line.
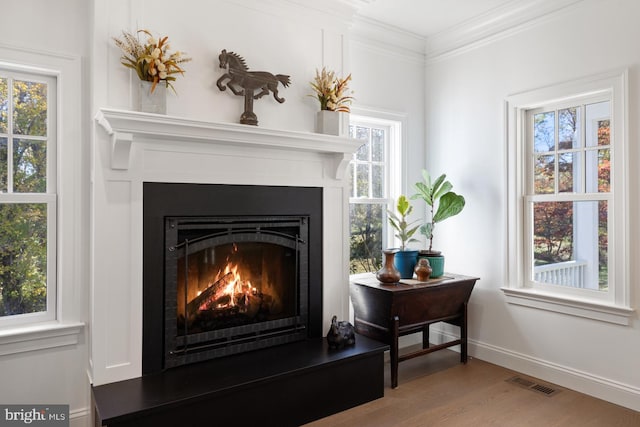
point(465, 125)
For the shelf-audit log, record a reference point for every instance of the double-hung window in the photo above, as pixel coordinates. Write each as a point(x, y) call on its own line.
point(373, 175)
point(567, 202)
point(27, 197)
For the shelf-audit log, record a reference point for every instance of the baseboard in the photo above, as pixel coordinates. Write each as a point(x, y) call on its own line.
point(583, 382)
point(564, 376)
point(80, 417)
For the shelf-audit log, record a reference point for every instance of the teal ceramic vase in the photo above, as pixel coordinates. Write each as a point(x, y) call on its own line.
point(436, 262)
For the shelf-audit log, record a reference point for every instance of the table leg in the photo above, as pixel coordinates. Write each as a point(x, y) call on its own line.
point(425, 337)
point(393, 351)
point(463, 336)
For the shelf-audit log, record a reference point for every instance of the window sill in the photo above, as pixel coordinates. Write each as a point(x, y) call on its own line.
point(39, 337)
point(357, 276)
point(597, 311)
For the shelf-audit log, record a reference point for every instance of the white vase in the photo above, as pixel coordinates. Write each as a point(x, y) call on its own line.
point(332, 123)
point(155, 102)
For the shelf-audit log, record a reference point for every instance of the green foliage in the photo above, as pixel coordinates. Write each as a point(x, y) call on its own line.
point(404, 230)
point(365, 240)
point(23, 258)
point(443, 202)
point(23, 226)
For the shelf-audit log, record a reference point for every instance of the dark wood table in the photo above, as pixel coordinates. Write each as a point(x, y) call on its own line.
point(386, 312)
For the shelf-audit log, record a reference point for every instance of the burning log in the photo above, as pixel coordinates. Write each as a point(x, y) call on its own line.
point(207, 299)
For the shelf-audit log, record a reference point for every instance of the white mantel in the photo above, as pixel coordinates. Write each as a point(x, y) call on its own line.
point(132, 148)
point(125, 127)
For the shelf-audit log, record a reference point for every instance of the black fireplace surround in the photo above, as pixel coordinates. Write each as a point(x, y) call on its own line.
point(282, 385)
point(184, 222)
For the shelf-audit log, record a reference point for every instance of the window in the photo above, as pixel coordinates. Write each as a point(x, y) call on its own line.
point(373, 188)
point(568, 194)
point(567, 217)
point(27, 197)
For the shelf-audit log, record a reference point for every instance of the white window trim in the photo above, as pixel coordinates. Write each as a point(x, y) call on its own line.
point(49, 196)
point(396, 125)
point(70, 306)
point(618, 309)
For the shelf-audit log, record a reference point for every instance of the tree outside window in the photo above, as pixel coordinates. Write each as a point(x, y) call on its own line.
point(571, 183)
point(24, 204)
point(370, 172)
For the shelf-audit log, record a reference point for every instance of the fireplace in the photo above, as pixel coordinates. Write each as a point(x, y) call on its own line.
point(233, 284)
point(139, 158)
point(228, 269)
point(152, 171)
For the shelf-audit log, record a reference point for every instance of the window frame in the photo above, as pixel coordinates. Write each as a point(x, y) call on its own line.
point(615, 306)
point(530, 197)
point(393, 125)
point(71, 227)
point(49, 197)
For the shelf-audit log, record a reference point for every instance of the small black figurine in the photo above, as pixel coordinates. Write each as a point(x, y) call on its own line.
point(340, 334)
point(243, 82)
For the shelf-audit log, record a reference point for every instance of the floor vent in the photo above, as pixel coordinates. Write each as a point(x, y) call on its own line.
point(531, 385)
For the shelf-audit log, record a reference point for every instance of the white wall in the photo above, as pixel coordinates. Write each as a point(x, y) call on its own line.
point(388, 82)
point(275, 36)
point(55, 375)
point(464, 137)
point(465, 132)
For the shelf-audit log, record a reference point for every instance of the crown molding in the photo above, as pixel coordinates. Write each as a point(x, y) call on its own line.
point(386, 39)
point(497, 23)
point(336, 14)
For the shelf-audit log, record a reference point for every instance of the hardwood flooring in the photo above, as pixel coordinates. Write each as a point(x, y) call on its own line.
point(436, 390)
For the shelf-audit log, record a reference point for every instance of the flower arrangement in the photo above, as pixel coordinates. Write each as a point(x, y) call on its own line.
point(331, 91)
point(151, 61)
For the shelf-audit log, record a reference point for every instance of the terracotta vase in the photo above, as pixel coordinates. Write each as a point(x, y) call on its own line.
point(423, 269)
point(388, 273)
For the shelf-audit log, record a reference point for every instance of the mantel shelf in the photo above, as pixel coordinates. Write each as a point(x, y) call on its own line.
point(127, 127)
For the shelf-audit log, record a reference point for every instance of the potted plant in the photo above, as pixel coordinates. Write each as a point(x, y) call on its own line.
point(443, 203)
point(405, 259)
point(334, 96)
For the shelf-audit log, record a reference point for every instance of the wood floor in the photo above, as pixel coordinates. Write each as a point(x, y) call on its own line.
point(436, 390)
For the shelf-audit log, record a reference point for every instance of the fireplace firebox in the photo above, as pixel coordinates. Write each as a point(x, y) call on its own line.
point(233, 284)
point(228, 269)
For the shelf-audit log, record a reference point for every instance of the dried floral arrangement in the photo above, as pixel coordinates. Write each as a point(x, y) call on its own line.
point(152, 61)
point(332, 92)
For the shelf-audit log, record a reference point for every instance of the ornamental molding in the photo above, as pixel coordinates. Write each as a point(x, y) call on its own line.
point(495, 24)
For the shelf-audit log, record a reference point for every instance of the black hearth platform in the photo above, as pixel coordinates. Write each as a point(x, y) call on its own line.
point(287, 385)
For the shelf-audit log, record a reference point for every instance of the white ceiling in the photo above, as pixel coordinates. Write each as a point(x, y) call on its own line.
point(427, 17)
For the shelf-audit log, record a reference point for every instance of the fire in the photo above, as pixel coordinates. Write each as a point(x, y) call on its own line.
point(229, 293)
point(237, 292)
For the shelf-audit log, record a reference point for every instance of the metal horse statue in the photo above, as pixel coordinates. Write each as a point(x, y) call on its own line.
point(243, 82)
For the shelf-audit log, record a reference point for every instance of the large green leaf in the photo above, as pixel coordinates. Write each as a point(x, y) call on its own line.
point(441, 187)
point(404, 207)
point(423, 192)
point(450, 204)
point(426, 230)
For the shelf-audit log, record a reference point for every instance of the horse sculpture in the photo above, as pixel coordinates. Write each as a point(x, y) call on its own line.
point(243, 82)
